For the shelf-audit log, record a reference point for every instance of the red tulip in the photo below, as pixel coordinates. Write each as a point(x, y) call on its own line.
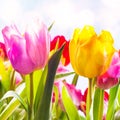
point(3, 54)
point(65, 56)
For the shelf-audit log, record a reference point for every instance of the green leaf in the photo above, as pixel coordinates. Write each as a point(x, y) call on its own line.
point(98, 104)
point(118, 97)
point(36, 79)
point(82, 118)
point(69, 106)
point(49, 28)
point(75, 79)
point(58, 76)
point(14, 95)
point(44, 105)
point(14, 103)
point(40, 88)
point(112, 102)
point(55, 104)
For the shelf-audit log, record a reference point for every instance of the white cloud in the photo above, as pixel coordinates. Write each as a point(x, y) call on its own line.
point(67, 14)
point(112, 3)
point(10, 10)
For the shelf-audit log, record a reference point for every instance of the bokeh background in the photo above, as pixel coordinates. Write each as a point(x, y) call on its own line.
point(67, 15)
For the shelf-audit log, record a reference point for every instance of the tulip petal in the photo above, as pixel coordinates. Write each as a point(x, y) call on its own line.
point(38, 42)
point(16, 50)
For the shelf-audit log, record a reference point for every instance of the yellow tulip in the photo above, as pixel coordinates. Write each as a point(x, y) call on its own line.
point(90, 54)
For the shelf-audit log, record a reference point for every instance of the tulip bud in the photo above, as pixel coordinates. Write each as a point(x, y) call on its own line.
point(111, 77)
point(30, 51)
point(90, 54)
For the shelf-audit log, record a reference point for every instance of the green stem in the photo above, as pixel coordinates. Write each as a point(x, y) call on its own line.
point(98, 104)
point(101, 104)
point(12, 80)
point(31, 90)
point(75, 79)
point(13, 105)
point(31, 97)
point(89, 98)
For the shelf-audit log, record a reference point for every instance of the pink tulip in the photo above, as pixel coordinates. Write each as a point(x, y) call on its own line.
point(29, 51)
point(114, 69)
point(74, 93)
point(110, 77)
point(61, 69)
point(18, 78)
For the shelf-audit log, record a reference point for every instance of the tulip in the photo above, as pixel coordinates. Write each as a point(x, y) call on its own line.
point(61, 69)
point(29, 51)
point(111, 77)
point(59, 40)
point(18, 78)
point(114, 68)
point(3, 54)
point(90, 54)
point(74, 93)
point(105, 81)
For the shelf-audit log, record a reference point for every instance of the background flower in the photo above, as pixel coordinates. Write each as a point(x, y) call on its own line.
point(59, 40)
point(3, 54)
point(111, 77)
point(74, 93)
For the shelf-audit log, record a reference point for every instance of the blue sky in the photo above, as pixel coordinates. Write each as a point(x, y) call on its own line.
point(67, 14)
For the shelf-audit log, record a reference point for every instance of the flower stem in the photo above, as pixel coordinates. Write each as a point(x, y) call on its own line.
point(89, 97)
point(75, 79)
point(98, 104)
point(12, 80)
point(31, 97)
point(101, 104)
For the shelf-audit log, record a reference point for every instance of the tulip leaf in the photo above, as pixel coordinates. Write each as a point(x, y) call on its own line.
point(98, 104)
point(63, 75)
point(36, 78)
point(55, 101)
point(40, 88)
point(44, 105)
point(112, 102)
point(75, 79)
point(118, 96)
point(70, 108)
point(49, 28)
point(82, 118)
point(14, 95)
point(14, 103)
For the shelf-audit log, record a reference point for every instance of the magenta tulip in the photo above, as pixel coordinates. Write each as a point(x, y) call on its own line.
point(75, 94)
point(29, 51)
point(114, 69)
point(111, 76)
